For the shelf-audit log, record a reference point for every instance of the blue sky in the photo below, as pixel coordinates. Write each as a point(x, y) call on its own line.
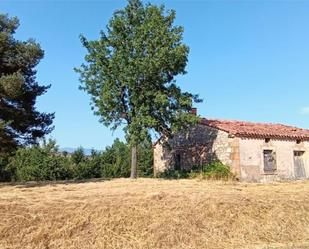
point(249, 60)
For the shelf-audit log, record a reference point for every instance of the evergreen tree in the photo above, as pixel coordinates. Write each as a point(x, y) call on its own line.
point(145, 158)
point(130, 74)
point(20, 122)
point(115, 159)
point(78, 156)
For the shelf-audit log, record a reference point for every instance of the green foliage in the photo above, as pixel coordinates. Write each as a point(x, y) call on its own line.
point(145, 158)
point(5, 175)
point(45, 162)
point(88, 169)
point(214, 170)
point(78, 156)
point(112, 162)
point(38, 163)
point(20, 122)
point(130, 73)
point(116, 160)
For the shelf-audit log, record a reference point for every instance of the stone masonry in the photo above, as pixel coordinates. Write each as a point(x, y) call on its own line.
point(199, 145)
point(240, 145)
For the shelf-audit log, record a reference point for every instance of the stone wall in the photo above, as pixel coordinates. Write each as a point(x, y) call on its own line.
point(251, 159)
point(197, 146)
point(201, 144)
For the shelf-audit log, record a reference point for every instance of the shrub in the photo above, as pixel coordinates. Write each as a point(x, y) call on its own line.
point(88, 169)
point(5, 174)
point(78, 156)
point(213, 170)
point(145, 158)
point(116, 160)
point(113, 162)
point(216, 170)
point(45, 162)
point(38, 163)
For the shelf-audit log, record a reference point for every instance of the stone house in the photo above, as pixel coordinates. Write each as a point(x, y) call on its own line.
point(254, 151)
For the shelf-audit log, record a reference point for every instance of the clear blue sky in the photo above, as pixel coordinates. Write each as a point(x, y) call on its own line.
point(249, 60)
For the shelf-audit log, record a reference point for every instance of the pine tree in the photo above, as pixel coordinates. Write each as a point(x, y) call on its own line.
point(20, 122)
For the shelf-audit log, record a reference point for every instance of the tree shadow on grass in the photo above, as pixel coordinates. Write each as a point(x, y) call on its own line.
point(32, 184)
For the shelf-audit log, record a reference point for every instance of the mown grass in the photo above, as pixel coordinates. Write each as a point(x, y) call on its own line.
point(154, 213)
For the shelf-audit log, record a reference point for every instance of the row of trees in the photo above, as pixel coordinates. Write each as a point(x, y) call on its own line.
point(129, 72)
point(46, 162)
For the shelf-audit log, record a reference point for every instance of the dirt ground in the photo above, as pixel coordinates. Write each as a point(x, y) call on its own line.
point(152, 213)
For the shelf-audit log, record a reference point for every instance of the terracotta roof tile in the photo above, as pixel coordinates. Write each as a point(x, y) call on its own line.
point(258, 130)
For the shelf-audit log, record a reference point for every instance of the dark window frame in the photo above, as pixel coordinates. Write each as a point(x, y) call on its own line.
point(269, 161)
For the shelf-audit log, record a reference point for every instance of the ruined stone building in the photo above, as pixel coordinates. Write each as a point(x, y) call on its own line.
point(254, 151)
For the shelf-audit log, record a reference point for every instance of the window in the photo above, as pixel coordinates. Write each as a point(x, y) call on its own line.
point(269, 161)
point(177, 162)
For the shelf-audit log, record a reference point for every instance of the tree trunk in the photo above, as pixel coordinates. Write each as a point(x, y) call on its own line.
point(134, 162)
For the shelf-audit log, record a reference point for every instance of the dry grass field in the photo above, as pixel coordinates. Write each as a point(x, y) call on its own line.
point(151, 213)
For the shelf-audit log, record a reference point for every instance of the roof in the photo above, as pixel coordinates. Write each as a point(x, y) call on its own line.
point(258, 130)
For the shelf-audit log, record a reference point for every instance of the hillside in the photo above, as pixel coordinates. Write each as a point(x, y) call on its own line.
point(151, 213)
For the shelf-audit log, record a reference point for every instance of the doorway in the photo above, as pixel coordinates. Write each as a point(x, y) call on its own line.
point(299, 166)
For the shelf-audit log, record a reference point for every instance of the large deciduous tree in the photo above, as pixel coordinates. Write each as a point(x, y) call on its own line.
point(130, 74)
point(20, 122)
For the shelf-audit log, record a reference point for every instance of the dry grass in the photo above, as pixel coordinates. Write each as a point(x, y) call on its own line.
point(150, 213)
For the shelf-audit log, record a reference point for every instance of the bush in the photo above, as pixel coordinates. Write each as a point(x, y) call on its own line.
point(5, 174)
point(39, 163)
point(78, 156)
point(116, 160)
point(145, 159)
point(213, 170)
point(45, 162)
point(88, 169)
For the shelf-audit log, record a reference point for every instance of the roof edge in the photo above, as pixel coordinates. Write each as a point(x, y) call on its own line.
point(205, 122)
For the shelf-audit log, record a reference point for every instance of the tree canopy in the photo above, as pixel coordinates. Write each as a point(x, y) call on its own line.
point(130, 74)
point(20, 122)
